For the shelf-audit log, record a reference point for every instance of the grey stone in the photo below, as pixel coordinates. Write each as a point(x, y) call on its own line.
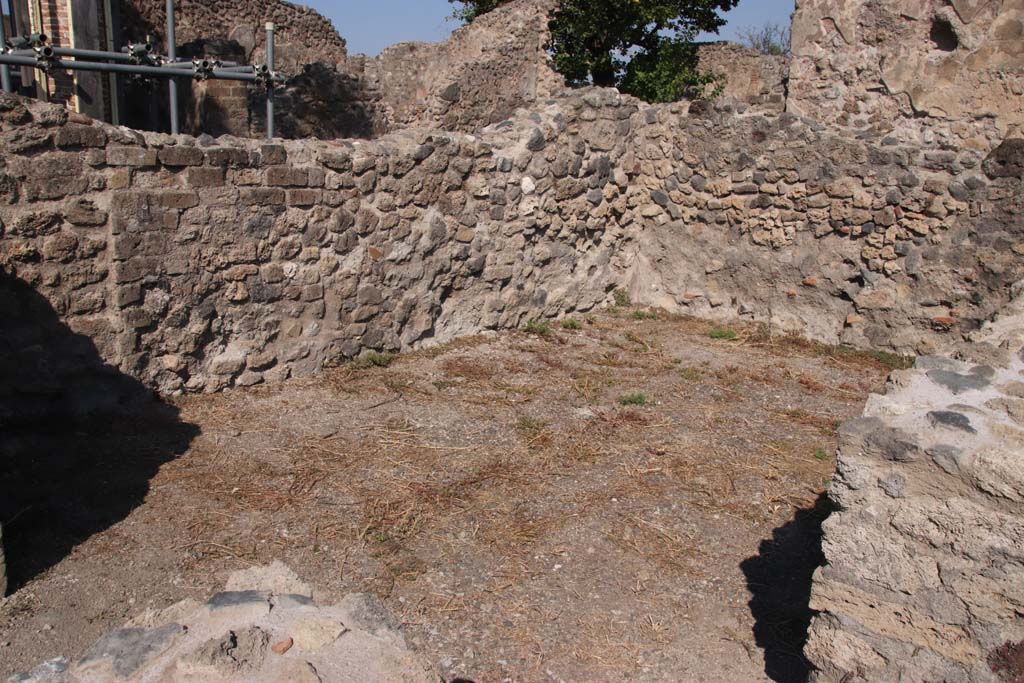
point(1006, 160)
point(228, 599)
point(894, 485)
point(537, 141)
point(946, 457)
point(128, 649)
point(365, 611)
point(959, 383)
point(451, 93)
point(659, 198)
point(893, 444)
point(953, 420)
point(52, 671)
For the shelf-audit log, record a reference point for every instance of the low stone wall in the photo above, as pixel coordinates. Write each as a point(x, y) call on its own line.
point(924, 578)
point(194, 267)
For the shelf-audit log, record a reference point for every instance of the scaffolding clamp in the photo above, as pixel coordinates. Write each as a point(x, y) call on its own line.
point(267, 77)
point(141, 53)
point(202, 69)
point(47, 59)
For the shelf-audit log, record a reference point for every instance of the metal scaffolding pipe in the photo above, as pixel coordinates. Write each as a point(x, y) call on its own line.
point(91, 54)
point(49, 51)
point(270, 83)
point(5, 71)
point(172, 55)
point(187, 64)
point(140, 70)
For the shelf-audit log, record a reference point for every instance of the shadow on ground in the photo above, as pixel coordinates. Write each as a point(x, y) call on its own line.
point(779, 578)
point(79, 440)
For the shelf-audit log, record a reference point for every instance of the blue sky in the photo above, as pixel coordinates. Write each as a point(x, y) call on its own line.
point(370, 25)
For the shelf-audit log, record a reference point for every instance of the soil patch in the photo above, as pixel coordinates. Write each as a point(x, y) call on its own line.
point(633, 499)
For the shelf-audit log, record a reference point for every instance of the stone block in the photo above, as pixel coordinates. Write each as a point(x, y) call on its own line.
point(303, 197)
point(337, 160)
point(312, 633)
point(273, 154)
point(119, 654)
point(205, 176)
point(227, 157)
point(178, 199)
point(138, 157)
point(180, 155)
point(76, 135)
point(287, 176)
point(261, 196)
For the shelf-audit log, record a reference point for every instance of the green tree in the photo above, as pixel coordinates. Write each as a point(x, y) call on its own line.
point(643, 47)
point(474, 8)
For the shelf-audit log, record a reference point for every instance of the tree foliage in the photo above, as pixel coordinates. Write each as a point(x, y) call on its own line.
point(643, 47)
point(468, 11)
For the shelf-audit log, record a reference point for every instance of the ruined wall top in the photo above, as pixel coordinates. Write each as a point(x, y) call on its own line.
point(749, 77)
point(303, 35)
point(479, 76)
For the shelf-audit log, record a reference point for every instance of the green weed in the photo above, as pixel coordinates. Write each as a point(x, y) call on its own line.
point(537, 327)
point(373, 359)
point(690, 374)
point(637, 398)
point(723, 333)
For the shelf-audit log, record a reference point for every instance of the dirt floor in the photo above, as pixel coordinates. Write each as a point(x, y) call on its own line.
point(638, 499)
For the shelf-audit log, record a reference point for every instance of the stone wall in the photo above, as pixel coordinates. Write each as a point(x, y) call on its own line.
point(749, 77)
point(480, 75)
point(924, 578)
point(303, 35)
point(946, 70)
point(194, 268)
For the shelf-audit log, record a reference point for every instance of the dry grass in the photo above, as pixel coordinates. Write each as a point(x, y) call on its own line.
point(452, 481)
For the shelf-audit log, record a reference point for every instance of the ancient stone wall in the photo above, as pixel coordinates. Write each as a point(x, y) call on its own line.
point(303, 35)
point(480, 75)
point(945, 70)
point(197, 267)
point(748, 77)
point(924, 578)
